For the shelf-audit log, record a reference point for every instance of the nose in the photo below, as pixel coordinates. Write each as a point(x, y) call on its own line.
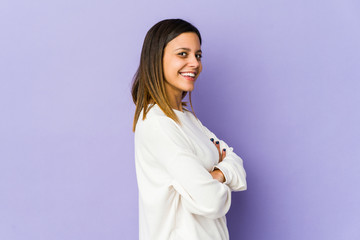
point(194, 61)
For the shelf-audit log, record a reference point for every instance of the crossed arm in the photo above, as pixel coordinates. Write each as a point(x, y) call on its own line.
point(230, 164)
point(204, 193)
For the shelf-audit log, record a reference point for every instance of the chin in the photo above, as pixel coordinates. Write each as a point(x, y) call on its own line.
point(189, 89)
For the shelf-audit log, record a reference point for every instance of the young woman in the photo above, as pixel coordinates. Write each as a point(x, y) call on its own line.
point(185, 173)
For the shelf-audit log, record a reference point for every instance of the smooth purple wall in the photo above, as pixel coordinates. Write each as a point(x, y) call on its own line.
point(280, 84)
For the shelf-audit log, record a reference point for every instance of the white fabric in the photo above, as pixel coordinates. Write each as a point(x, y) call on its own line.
point(178, 198)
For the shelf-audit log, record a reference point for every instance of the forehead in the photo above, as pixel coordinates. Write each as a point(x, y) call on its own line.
point(185, 40)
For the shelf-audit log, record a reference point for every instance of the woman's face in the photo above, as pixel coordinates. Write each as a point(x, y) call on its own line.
point(182, 63)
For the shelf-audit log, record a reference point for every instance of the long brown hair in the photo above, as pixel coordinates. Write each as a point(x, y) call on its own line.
point(148, 83)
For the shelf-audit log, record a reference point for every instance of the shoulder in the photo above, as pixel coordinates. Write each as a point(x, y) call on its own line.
point(154, 111)
point(158, 130)
point(155, 120)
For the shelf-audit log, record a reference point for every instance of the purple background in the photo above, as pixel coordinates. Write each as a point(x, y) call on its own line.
point(280, 84)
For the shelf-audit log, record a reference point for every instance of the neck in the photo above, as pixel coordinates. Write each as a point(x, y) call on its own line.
point(175, 97)
point(176, 102)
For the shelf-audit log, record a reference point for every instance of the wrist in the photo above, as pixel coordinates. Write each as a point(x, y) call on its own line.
point(219, 175)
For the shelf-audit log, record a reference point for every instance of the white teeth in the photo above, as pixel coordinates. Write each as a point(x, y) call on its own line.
point(188, 74)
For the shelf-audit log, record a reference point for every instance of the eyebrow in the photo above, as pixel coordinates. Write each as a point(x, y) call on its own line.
point(187, 49)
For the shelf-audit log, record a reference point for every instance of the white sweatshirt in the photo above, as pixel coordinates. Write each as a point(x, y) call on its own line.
point(178, 198)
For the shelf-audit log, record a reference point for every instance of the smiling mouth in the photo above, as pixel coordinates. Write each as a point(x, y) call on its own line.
point(188, 75)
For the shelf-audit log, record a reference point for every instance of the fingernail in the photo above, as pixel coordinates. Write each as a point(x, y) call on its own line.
point(224, 150)
point(217, 142)
point(211, 139)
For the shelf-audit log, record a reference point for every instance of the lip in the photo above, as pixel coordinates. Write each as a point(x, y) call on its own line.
point(188, 77)
point(194, 72)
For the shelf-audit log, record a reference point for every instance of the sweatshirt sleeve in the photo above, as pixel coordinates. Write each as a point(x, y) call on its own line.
point(231, 166)
point(169, 148)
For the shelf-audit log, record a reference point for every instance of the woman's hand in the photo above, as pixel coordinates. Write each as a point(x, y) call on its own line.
point(222, 154)
point(217, 173)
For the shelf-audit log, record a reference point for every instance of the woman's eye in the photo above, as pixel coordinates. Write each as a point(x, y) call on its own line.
point(185, 54)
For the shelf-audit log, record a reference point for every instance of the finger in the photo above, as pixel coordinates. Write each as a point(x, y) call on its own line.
point(217, 144)
point(223, 155)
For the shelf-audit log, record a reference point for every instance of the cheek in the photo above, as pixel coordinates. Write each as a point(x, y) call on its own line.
point(170, 72)
point(175, 67)
point(200, 68)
